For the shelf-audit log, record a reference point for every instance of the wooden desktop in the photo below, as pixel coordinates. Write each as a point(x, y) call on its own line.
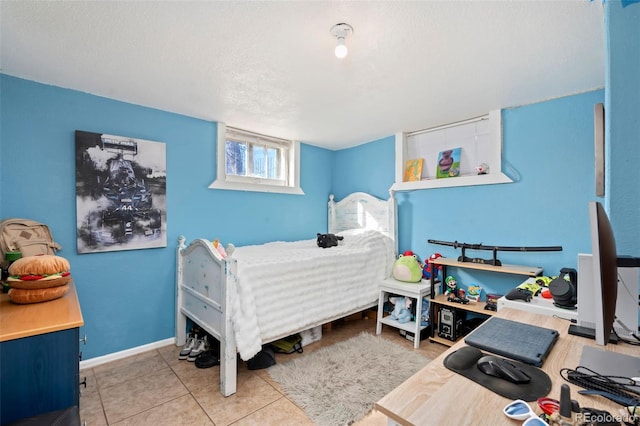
point(438, 396)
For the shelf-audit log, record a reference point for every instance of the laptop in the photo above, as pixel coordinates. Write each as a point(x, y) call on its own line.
point(609, 363)
point(516, 340)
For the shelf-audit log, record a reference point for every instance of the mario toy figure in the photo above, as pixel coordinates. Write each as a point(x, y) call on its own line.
point(428, 268)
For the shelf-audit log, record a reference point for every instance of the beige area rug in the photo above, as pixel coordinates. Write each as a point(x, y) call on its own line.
point(339, 384)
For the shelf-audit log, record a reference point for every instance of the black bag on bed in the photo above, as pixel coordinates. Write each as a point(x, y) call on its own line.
point(263, 359)
point(288, 345)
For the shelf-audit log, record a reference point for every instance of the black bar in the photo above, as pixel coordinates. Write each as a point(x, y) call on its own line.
point(589, 333)
point(456, 244)
point(628, 262)
point(494, 261)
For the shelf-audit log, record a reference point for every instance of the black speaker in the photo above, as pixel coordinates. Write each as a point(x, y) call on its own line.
point(563, 290)
point(450, 323)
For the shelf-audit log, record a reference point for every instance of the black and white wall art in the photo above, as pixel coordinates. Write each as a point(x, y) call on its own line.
point(120, 193)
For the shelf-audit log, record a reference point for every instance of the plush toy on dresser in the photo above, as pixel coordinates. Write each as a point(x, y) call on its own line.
point(35, 279)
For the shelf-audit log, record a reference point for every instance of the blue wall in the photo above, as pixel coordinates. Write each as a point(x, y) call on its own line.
point(368, 168)
point(549, 150)
point(127, 297)
point(622, 113)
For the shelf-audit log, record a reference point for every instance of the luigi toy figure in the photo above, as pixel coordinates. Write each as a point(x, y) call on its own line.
point(453, 293)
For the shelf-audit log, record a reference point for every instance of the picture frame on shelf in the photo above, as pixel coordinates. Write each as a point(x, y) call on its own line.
point(413, 170)
point(448, 163)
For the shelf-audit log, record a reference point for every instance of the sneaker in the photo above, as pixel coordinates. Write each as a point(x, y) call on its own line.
point(188, 347)
point(201, 346)
point(207, 359)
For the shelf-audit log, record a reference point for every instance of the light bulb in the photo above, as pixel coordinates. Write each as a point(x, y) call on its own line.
point(341, 49)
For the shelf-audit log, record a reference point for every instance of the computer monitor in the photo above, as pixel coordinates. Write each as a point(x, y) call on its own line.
point(598, 282)
point(605, 272)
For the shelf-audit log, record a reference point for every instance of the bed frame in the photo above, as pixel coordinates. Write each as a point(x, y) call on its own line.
point(202, 279)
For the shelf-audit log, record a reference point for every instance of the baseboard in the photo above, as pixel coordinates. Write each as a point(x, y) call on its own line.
point(94, 362)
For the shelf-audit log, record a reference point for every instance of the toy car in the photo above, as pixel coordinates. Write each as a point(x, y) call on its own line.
point(492, 302)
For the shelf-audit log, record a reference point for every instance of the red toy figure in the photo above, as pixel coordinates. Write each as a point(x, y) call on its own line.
point(426, 270)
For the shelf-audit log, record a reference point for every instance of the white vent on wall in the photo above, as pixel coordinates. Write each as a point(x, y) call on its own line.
point(479, 140)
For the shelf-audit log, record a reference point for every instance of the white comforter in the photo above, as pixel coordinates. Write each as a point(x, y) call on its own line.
point(285, 287)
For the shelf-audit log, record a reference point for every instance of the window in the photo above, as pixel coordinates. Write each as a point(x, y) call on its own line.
point(249, 161)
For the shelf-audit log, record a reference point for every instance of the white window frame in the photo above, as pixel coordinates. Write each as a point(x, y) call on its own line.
point(256, 184)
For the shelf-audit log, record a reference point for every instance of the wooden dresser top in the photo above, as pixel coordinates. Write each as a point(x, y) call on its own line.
point(17, 321)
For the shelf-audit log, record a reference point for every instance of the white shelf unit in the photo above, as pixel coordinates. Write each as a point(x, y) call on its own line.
point(416, 291)
point(538, 305)
point(407, 326)
point(481, 142)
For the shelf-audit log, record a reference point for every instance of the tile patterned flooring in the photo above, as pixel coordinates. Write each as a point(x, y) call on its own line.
point(155, 388)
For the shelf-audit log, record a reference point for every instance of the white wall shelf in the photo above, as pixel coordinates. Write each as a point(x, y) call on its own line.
point(450, 182)
point(481, 142)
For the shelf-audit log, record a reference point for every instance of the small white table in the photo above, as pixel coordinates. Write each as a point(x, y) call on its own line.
point(416, 291)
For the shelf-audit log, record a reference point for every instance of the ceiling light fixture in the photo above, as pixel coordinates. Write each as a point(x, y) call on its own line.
point(341, 31)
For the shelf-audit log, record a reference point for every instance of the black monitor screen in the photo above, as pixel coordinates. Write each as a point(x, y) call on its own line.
point(605, 271)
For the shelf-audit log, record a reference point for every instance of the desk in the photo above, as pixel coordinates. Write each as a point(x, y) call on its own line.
point(438, 396)
point(39, 350)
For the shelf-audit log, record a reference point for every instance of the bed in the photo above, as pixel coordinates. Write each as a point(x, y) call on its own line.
point(261, 293)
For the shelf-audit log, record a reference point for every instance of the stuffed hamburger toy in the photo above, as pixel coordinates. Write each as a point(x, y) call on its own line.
point(35, 279)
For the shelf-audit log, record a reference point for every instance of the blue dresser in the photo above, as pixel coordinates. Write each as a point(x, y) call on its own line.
point(39, 356)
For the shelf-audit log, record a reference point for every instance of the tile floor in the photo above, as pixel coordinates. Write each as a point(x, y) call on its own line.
point(155, 388)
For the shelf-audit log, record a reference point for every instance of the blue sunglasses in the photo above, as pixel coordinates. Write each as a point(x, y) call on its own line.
point(520, 410)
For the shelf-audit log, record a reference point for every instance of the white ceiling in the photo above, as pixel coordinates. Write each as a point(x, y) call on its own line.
point(269, 67)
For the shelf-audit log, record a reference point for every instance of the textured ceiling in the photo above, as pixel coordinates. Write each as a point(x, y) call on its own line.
point(268, 66)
